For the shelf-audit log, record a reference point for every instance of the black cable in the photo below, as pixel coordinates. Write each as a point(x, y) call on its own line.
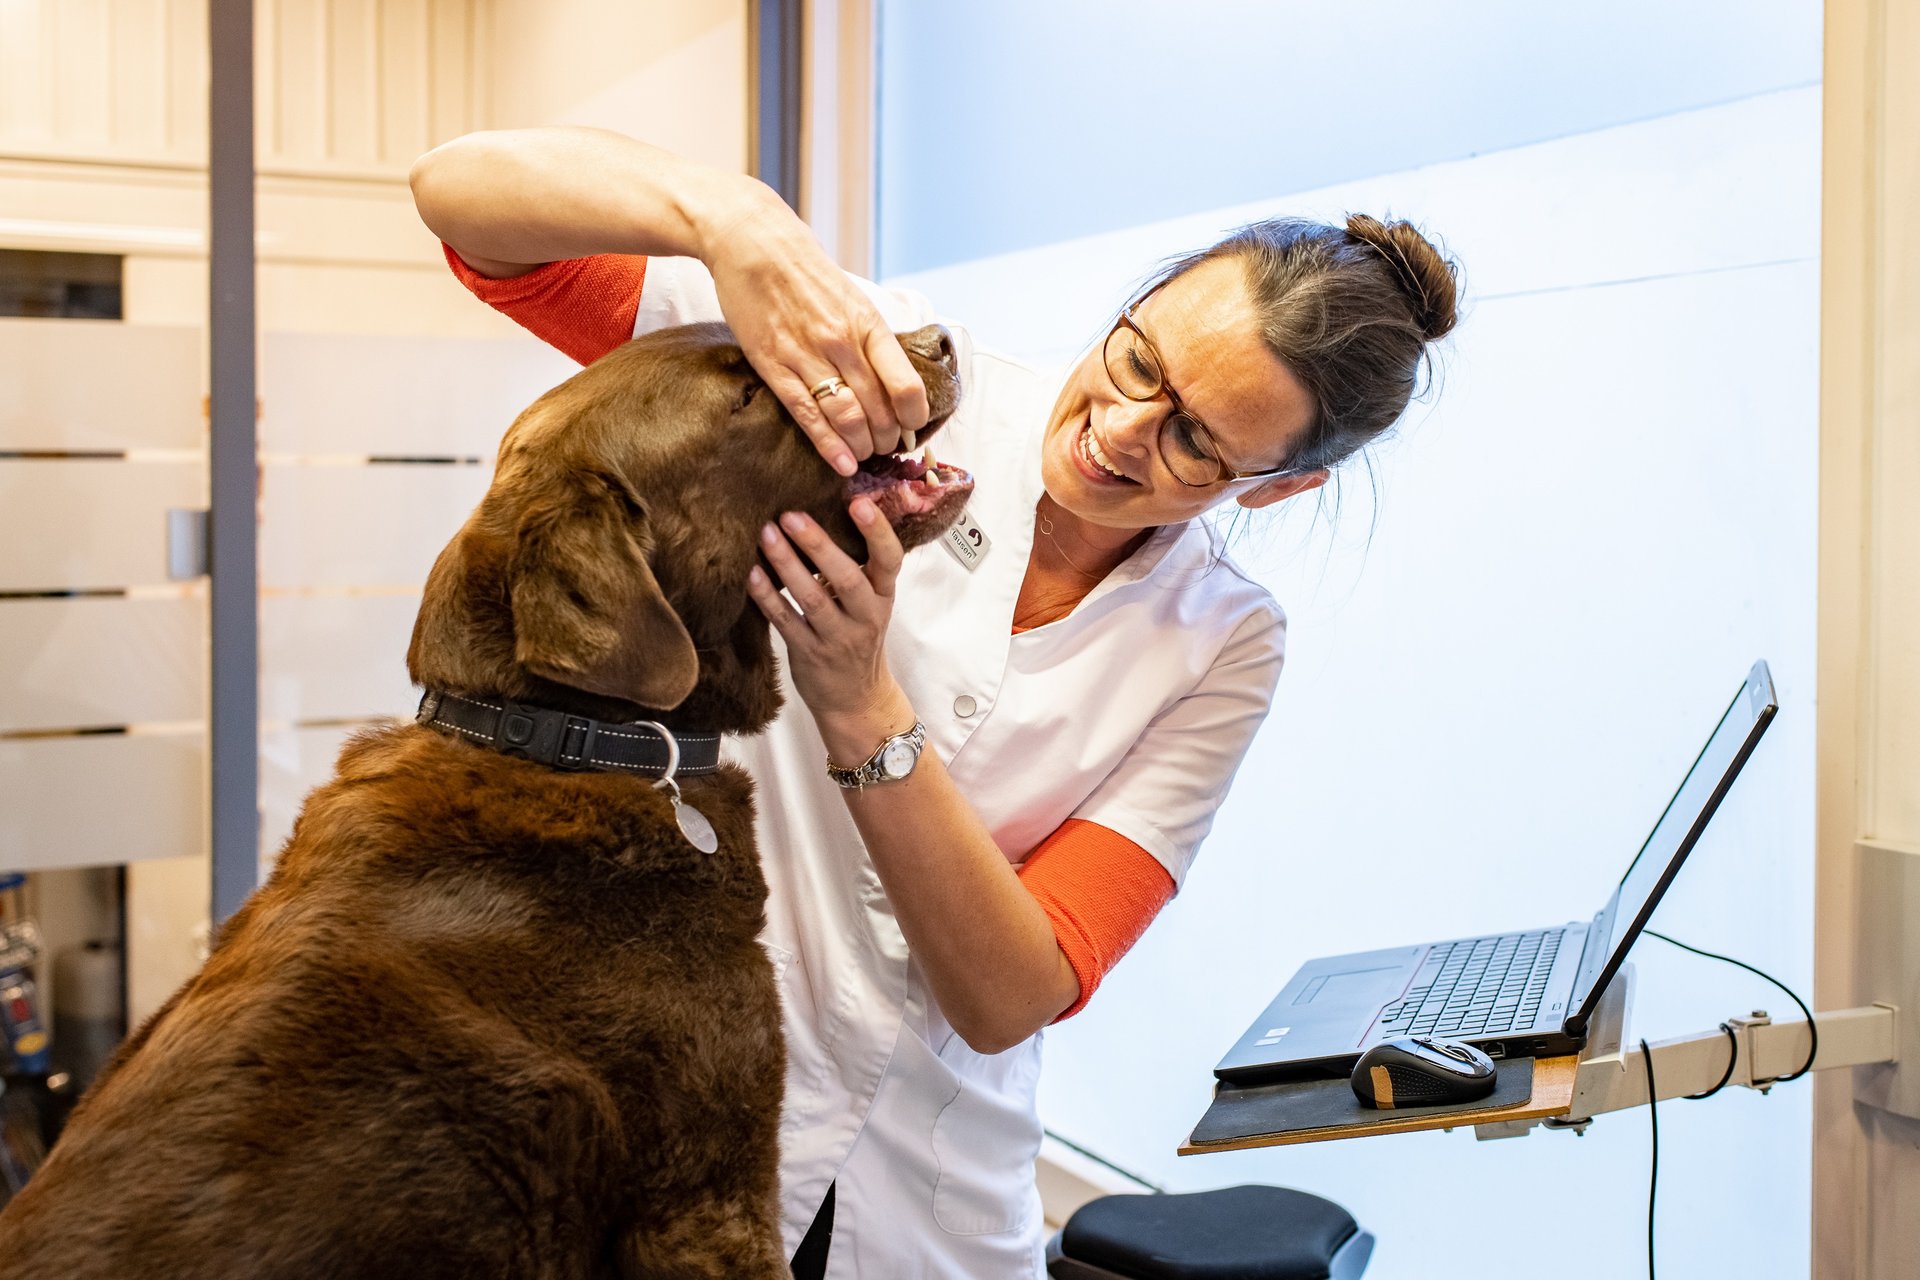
point(1653, 1178)
point(1733, 1056)
point(1813, 1032)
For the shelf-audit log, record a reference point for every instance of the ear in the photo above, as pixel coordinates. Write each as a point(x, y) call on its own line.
point(587, 610)
point(1280, 488)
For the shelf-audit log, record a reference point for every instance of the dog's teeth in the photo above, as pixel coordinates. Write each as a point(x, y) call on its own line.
point(907, 440)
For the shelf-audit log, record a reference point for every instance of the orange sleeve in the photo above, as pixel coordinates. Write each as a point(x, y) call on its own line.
point(1100, 891)
point(583, 306)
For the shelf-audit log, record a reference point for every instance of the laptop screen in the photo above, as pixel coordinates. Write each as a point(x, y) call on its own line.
point(1673, 837)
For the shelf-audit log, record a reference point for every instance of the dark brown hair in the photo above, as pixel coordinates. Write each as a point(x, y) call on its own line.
point(1350, 311)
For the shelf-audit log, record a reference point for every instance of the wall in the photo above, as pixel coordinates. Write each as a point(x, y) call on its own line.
point(1499, 672)
point(1006, 124)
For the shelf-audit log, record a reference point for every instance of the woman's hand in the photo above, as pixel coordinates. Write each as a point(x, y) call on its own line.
point(836, 641)
point(800, 320)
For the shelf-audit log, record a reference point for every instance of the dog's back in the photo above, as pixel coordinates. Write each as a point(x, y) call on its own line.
point(438, 1043)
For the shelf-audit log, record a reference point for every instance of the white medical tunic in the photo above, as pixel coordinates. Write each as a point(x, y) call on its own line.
point(1133, 712)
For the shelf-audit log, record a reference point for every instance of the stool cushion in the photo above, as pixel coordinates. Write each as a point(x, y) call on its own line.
point(1235, 1233)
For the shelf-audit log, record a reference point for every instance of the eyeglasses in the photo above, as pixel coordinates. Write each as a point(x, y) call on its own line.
point(1186, 446)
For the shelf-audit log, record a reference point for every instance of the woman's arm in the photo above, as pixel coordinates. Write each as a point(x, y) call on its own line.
point(985, 945)
point(509, 201)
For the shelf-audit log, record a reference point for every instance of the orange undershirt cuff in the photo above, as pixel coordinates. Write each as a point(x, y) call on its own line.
point(1100, 891)
point(585, 307)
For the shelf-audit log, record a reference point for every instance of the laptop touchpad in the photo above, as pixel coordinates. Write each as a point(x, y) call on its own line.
point(1355, 986)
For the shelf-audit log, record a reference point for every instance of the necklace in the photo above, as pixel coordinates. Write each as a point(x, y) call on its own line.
point(1046, 531)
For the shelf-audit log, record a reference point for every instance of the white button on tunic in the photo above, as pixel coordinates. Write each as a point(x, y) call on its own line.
point(1133, 712)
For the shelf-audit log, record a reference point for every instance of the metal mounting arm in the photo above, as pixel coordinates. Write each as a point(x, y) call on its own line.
point(1612, 1076)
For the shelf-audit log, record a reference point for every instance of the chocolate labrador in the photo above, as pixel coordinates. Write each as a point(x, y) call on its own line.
point(500, 1010)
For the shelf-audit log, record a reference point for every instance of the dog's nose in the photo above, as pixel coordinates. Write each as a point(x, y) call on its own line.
point(931, 343)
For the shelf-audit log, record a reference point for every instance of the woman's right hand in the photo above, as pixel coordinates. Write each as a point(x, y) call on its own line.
point(800, 319)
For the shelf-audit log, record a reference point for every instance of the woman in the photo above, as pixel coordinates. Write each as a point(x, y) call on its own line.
point(1055, 709)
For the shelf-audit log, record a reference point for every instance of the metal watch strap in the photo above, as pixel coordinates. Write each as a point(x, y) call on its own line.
point(869, 773)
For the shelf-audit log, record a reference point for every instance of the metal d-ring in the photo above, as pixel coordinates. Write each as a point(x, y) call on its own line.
point(673, 758)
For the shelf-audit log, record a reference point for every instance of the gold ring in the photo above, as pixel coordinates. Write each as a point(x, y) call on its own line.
point(827, 387)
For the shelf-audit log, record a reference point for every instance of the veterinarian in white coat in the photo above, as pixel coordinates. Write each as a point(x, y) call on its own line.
point(1079, 654)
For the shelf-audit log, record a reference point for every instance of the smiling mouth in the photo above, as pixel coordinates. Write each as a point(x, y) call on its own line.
point(1087, 446)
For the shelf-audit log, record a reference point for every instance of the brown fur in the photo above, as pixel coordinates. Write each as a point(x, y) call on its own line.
point(487, 1018)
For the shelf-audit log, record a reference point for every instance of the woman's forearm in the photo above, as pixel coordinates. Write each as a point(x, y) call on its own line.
point(987, 949)
point(512, 199)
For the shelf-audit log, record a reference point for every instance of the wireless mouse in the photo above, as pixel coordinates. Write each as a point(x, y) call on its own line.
point(1416, 1071)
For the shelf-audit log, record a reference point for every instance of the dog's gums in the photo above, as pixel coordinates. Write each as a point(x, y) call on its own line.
point(902, 486)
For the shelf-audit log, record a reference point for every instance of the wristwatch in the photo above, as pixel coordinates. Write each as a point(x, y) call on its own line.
point(892, 762)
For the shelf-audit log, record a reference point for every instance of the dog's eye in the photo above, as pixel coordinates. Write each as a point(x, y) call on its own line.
point(747, 393)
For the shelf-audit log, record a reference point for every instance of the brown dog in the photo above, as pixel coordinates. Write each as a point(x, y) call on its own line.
point(492, 1018)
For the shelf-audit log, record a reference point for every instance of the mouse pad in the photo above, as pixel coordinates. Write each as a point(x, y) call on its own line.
point(1299, 1105)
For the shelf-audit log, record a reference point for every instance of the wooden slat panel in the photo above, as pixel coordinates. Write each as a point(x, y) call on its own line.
point(140, 76)
point(405, 85)
point(358, 526)
point(84, 74)
point(88, 524)
point(26, 80)
point(353, 86)
point(450, 69)
point(410, 397)
point(296, 131)
point(99, 384)
point(81, 663)
point(187, 56)
point(292, 763)
point(99, 800)
point(335, 657)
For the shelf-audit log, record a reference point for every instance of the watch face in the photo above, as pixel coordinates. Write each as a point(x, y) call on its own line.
point(898, 759)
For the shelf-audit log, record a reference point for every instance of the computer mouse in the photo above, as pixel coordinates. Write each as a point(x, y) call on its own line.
point(1417, 1071)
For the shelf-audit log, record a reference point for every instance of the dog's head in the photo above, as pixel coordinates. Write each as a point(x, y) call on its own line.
point(604, 573)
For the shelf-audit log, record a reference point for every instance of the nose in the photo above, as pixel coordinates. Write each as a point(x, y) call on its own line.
point(932, 342)
point(1132, 425)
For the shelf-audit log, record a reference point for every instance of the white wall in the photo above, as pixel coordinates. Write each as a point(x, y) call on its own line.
point(1606, 517)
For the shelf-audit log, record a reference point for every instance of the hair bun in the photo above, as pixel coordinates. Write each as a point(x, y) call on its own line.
point(1429, 280)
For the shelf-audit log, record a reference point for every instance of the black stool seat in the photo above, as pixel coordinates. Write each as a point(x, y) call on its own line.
point(1235, 1233)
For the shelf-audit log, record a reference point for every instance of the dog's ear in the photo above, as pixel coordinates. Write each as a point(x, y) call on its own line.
point(587, 610)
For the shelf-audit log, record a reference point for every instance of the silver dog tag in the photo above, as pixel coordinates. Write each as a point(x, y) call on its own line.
point(695, 827)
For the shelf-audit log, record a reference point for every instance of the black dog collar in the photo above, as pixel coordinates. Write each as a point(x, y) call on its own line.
point(571, 742)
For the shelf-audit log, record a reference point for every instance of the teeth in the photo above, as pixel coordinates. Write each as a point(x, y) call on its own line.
point(907, 440)
point(1099, 457)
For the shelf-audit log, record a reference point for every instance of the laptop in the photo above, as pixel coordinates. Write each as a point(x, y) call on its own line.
point(1527, 994)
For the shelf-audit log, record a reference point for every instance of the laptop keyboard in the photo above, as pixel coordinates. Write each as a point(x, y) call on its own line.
point(1478, 986)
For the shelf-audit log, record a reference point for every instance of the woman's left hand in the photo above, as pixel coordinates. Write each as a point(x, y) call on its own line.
point(836, 640)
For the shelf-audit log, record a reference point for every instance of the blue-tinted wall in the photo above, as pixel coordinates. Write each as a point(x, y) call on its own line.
point(1011, 123)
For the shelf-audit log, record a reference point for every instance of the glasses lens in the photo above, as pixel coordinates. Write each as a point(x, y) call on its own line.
point(1131, 366)
point(1184, 450)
